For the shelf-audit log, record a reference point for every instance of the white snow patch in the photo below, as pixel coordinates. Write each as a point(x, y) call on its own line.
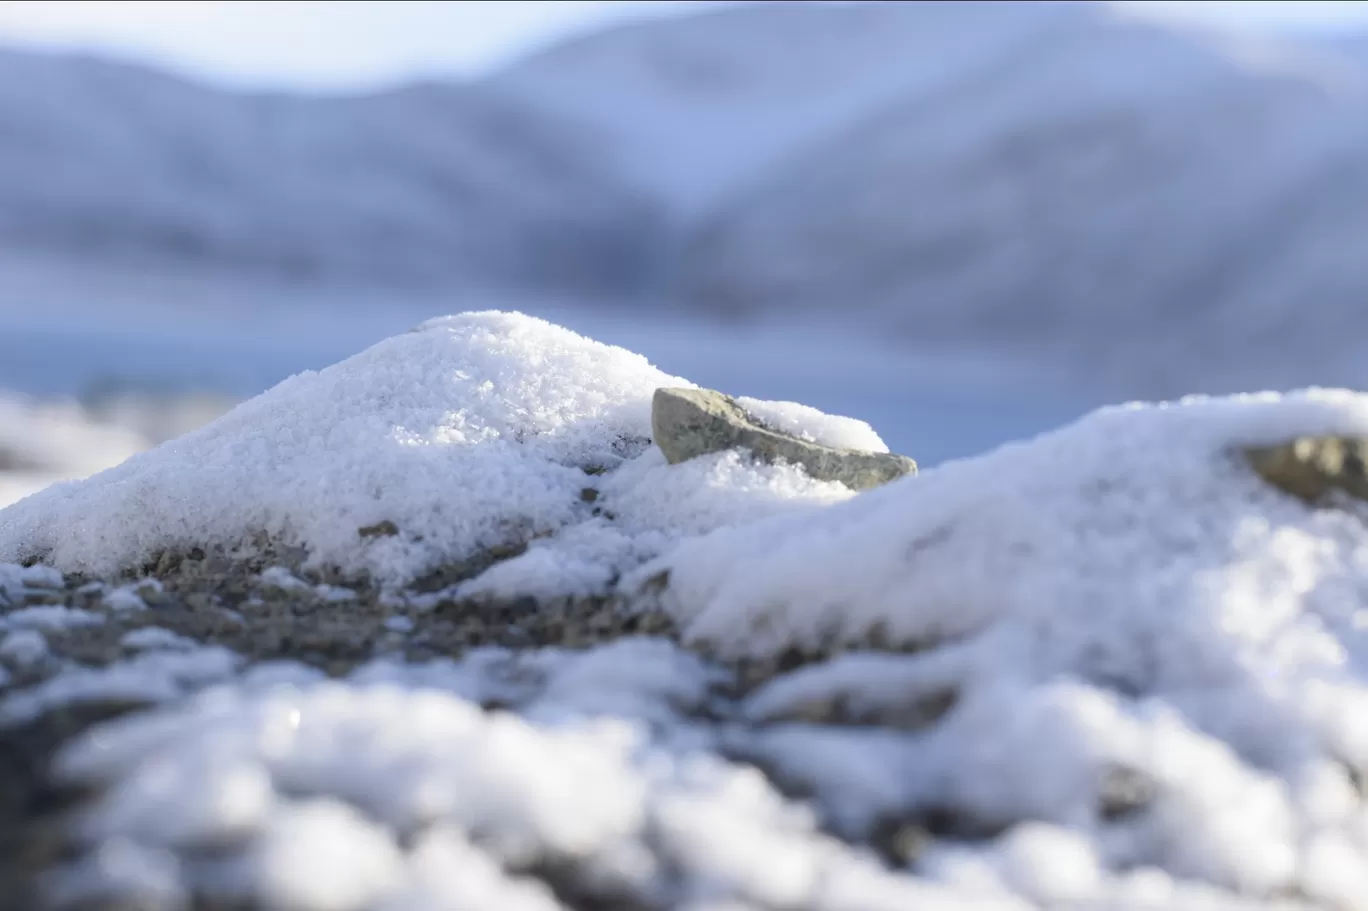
point(468, 432)
point(40, 577)
point(398, 624)
point(16, 580)
point(283, 579)
point(324, 856)
point(809, 424)
point(23, 647)
point(125, 598)
point(154, 637)
point(1122, 598)
point(49, 617)
point(152, 677)
point(381, 759)
point(1124, 592)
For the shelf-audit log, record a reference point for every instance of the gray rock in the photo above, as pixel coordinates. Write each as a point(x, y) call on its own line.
point(688, 423)
point(1311, 467)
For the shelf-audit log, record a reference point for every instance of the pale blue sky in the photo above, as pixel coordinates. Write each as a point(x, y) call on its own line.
point(354, 43)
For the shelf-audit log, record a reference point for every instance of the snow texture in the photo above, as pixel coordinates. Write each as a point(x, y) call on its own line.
point(23, 647)
point(809, 424)
point(1150, 669)
point(469, 432)
point(406, 750)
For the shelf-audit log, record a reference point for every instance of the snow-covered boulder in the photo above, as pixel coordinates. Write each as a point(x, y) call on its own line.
point(1113, 667)
point(472, 432)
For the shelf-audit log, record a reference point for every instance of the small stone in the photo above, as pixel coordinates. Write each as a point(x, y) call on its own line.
point(688, 423)
point(384, 529)
point(1311, 467)
point(900, 841)
point(1123, 792)
point(589, 495)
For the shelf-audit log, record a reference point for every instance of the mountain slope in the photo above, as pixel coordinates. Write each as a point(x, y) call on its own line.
point(695, 107)
point(1066, 179)
point(427, 183)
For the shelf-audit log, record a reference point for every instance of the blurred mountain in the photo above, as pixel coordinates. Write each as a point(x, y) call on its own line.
point(429, 183)
point(1353, 46)
point(1058, 178)
point(1175, 208)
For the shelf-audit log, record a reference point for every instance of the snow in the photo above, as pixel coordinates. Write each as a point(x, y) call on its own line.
point(476, 786)
point(155, 637)
point(1120, 593)
point(149, 677)
point(1122, 670)
point(49, 617)
point(23, 647)
point(810, 424)
point(124, 598)
point(469, 432)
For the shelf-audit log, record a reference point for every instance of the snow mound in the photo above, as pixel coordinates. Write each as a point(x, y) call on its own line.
point(470, 432)
point(399, 792)
point(1107, 668)
point(1122, 594)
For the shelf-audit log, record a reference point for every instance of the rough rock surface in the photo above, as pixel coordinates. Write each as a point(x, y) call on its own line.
point(1311, 467)
point(688, 423)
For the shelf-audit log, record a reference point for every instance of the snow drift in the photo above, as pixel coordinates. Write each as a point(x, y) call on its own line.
point(470, 432)
point(1106, 668)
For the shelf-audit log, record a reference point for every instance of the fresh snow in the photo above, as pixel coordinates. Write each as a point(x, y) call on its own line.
point(810, 424)
point(23, 647)
point(49, 617)
point(154, 637)
point(1154, 667)
point(469, 432)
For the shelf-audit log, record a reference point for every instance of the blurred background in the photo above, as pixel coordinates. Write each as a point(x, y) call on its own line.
point(963, 222)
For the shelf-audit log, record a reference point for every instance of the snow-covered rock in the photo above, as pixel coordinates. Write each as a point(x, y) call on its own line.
point(1110, 667)
point(688, 423)
point(468, 433)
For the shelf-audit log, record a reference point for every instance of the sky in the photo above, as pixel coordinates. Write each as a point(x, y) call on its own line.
point(349, 44)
